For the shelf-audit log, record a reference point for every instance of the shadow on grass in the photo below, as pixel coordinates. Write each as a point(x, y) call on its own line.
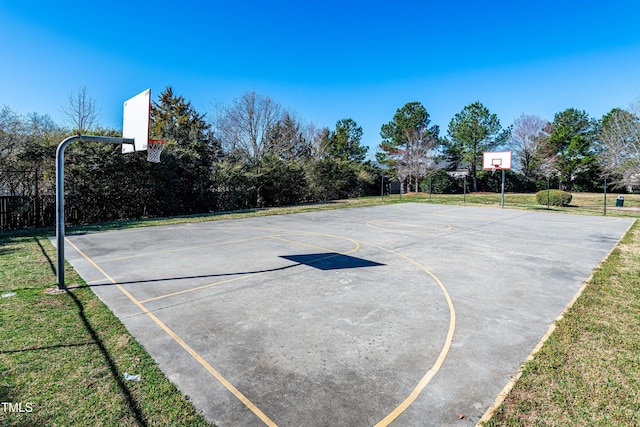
point(45, 255)
point(4, 250)
point(133, 406)
point(50, 347)
point(5, 396)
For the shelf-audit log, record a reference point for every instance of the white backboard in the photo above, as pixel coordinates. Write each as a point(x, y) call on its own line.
point(135, 121)
point(496, 160)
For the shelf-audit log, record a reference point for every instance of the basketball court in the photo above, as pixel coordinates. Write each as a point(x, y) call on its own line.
point(407, 315)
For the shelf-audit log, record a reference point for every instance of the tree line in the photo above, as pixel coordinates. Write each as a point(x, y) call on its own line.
point(253, 153)
point(574, 151)
point(250, 154)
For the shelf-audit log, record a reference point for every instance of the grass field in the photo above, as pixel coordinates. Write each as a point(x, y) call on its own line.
point(63, 356)
point(588, 371)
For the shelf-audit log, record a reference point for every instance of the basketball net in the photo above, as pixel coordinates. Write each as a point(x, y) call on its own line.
point(154, 149)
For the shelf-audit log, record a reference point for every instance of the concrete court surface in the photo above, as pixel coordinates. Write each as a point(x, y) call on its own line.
point(407, 315)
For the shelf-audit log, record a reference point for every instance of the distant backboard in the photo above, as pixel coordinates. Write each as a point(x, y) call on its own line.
point(135, 121)
point(496, 160)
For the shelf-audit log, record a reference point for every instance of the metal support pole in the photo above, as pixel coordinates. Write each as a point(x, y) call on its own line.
point(60, 225)
point(502, 202)
point(548, 191)
point(464, 194)
point(605, 195)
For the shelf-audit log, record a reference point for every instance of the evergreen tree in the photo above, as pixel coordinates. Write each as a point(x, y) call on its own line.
point(285, 139)
point(570, 145)
point(408, 143)
point(184, 176)
point(473, 131)
point(345, 142)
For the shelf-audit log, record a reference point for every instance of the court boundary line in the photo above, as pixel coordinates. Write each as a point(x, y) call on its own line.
point(514, 379)
point(237, 393)
point(247, 276)
point(431, 372)
point(390, 417)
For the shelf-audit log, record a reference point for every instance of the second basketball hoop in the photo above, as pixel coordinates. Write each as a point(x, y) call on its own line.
point(496, 160)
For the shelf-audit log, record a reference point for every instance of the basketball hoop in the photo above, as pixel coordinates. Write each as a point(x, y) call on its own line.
point(154, 149)
point(496, 160)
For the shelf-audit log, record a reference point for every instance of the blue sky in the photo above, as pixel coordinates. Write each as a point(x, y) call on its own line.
point(325, 60)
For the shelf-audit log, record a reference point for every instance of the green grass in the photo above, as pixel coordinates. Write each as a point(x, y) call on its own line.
point(588, 371)
point(65, 354)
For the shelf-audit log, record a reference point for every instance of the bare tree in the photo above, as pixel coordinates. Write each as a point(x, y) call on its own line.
point(11, 132)
point(317, 138)
point(244, 126)
point(82, 112)
point(409, 144)
point(619, 140)
point(526, 143)
point(419, 155)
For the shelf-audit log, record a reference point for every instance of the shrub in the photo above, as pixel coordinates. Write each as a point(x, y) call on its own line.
point(555, 197)
point(332, 179)
point(441, 183)
point(492, 181)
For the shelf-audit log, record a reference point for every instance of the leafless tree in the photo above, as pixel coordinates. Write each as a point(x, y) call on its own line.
point(418, 155)
point(619, 139)
point(317, 138)
point(526, 142)
point(244, 125)
point(82, 112)
point(11, 132)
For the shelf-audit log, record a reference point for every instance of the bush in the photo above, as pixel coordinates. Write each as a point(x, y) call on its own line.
point(441, 183)
point(492, 181)
point(279, 183)
point(331, 179)
point(553, 197)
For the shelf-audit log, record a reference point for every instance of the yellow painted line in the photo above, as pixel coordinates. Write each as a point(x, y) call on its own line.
point(512, 382)
point(570, 220)
point(262, 272)
point(443, 353)
point(356, 248)
point(442, 212)
point(424, 381)
point(229, 242)
point(246, 276)
point(540, 242)
point(253, 408)
point(410, 228)
point(185, 248)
